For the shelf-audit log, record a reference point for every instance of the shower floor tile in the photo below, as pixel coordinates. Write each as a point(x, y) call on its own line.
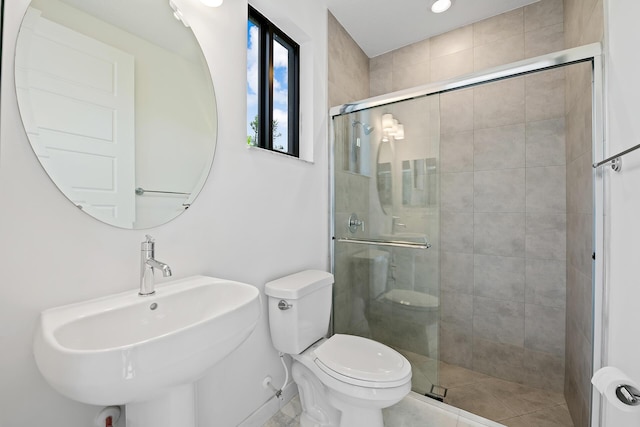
point(511, 404)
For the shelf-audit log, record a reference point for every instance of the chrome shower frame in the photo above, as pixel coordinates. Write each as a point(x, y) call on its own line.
point(589, 53)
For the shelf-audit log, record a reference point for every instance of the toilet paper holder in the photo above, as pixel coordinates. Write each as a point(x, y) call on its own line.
point(628, 394)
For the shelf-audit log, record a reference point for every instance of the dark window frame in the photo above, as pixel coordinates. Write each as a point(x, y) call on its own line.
point(268, 34)
point(1, 34)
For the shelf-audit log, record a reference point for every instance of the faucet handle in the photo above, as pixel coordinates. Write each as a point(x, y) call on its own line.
point(148, 244)
point(395, 223)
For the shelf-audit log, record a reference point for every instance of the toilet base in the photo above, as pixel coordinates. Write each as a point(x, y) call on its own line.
point(316, 411)
point(323, 406)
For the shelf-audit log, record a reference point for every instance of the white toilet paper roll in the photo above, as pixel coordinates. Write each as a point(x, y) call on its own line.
point(607, 380)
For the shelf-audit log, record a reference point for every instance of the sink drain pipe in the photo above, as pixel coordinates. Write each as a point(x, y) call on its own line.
point(107, 417)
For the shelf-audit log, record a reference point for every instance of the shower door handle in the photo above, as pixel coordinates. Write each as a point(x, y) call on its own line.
point(353, 223)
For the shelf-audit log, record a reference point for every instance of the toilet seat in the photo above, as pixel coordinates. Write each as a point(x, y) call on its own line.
point(363, 362)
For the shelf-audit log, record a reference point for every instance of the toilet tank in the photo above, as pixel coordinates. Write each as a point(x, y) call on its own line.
point(299, 309)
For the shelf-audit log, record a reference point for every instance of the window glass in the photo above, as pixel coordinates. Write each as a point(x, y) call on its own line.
point(272, 87)
point(280, 97)
point(253, 73)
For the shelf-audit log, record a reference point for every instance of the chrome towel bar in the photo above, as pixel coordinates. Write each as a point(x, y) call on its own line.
point(140, 191)
point(392, 243)
point(615, 160)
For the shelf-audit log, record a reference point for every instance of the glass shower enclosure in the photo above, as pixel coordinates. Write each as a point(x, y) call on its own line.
point(386, 231)
point(462, 229)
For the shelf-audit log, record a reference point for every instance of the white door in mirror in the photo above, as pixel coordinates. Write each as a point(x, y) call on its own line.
point(80, 96)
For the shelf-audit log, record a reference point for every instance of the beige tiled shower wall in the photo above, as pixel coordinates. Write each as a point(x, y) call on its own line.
point(348, 81)
point(522, 33)
point(503, 228)
point(348, 66)
point(503, 200)
point(584, 24)
point(507, 265)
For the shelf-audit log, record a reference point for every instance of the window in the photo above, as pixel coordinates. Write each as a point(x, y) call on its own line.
point(272, 87)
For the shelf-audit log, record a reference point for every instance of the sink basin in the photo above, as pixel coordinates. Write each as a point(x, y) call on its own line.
point(126, 348)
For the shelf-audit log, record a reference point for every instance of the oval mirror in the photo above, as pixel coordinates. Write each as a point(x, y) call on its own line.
point(384, 176)
point(118, 104)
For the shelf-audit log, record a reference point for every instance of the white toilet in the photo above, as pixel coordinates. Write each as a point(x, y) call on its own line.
point(344, 380)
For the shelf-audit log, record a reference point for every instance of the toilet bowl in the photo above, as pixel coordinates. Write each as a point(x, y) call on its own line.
point(410, 310)
point(344, 380)
point(374, 304)
point(416, 306)
point(369, 269)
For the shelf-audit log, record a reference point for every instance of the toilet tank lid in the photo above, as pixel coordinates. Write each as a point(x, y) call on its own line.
point(299, 284)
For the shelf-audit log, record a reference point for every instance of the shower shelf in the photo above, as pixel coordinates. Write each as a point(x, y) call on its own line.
point(392, 243)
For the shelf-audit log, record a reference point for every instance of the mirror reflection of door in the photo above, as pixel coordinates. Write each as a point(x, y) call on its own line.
point(419, 183)
point(80, 93)
point(132, 147)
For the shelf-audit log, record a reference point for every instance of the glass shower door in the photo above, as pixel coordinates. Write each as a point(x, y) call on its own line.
point(386, 228)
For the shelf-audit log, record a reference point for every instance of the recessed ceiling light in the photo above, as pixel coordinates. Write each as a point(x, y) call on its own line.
point(440, 6)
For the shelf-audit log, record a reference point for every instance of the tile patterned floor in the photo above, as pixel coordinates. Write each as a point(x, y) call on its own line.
point(479, 397)
point(413, 411)
point(508, 403)
point(288, 416)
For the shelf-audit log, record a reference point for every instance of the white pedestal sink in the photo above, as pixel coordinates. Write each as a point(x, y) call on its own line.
point(145, 352)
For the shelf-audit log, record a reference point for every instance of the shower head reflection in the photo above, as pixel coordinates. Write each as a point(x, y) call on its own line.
point(365, 127)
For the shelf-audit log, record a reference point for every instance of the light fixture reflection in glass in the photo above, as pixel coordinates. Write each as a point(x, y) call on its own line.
point(387, 122)
point(391, 128)
point(212, 3)
point(440, 6)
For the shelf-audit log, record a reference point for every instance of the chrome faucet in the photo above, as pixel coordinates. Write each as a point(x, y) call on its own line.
point(147, 265)
point(395, 224)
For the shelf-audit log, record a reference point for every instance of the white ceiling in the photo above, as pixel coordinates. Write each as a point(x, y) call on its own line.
point(151, 20)
point(379, 26)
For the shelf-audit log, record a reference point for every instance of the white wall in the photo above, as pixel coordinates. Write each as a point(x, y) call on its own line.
point(623, 131)
point(259, 216)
